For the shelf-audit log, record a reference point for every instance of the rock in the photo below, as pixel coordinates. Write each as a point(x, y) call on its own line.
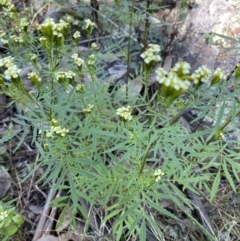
point(5, 181)
point(195, 44)
point(48, 238)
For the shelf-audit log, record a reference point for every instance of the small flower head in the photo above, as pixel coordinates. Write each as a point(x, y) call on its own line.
point(8, 7)
point(124, 113)
point(16, 39)
point(53, 32)
point(70, 75)
point(91, 60)
point(44, 42)
point(158, 174)
point(3, 37)
point(177, 83)
point(78, 61)
point(171, 80)
point(33, 57)
point(45, 147)
point(3, 215)
point(69, 19)
point(95, 47)
point(77, 35)
point(219, 135)
point(80, 88)
point(54, 122)
point(182, 68)
point(63, 132)
point(151, 54)
point(24, 24)
point(65, 78)
point(59, 29)
point(49, 134)
point(161, 73)
point(56, 129)
point(74, 56)
point(217, 76)
point(171, 84)
point(88, 108)
point(202, 74)
point(34, 78)
point(131, 136)
point(7, 62)
point(89, 25)
point(12, 72)
point(47, 27)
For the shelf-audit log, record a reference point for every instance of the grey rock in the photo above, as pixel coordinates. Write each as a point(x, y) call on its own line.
point(207, 17)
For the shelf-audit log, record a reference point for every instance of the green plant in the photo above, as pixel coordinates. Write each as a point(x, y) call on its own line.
point(10, 222)
point(94, 148)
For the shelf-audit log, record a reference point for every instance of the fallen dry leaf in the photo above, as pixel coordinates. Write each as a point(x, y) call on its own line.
point(48, 238)
point(63, 237)
point(5, 181)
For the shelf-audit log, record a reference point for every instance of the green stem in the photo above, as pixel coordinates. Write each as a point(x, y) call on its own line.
point(128, 48)
point(147, 24)
point(52, 69)
point(144, 161)
point(222, 127)
point(146, 155)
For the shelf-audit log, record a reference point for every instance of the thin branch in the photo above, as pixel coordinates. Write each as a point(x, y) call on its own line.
point(43, 217)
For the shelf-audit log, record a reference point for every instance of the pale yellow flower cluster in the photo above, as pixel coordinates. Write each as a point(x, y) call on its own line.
point(24, 23)
point(3, 37)
point(56, 129)
point(43, 41)
point(219, 74)
point(3, 215)
point(6, 4)
point(125, 113)
point(8, 7)
point(34, 78)
point(91, 59)
point(219, 135)
point(80, 88)
point(182, 68)
point(89, 24)
point(49, 28)
point(88, 108)
point(77, 35)
point(48, 23)
point(33, 57)
point(179, 76)
point(64, 75)
point(17, 39)
point(7, 62)
point(151, 54)
point(78, 61)
point(171, 79)
point(45, 147)
point(158, 174)
point(58, 28)
point(11, 70)
point(54, 122)
point(202, 74)
point(95, 47)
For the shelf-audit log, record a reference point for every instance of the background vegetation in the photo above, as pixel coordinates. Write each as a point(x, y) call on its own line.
point(102, 140)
